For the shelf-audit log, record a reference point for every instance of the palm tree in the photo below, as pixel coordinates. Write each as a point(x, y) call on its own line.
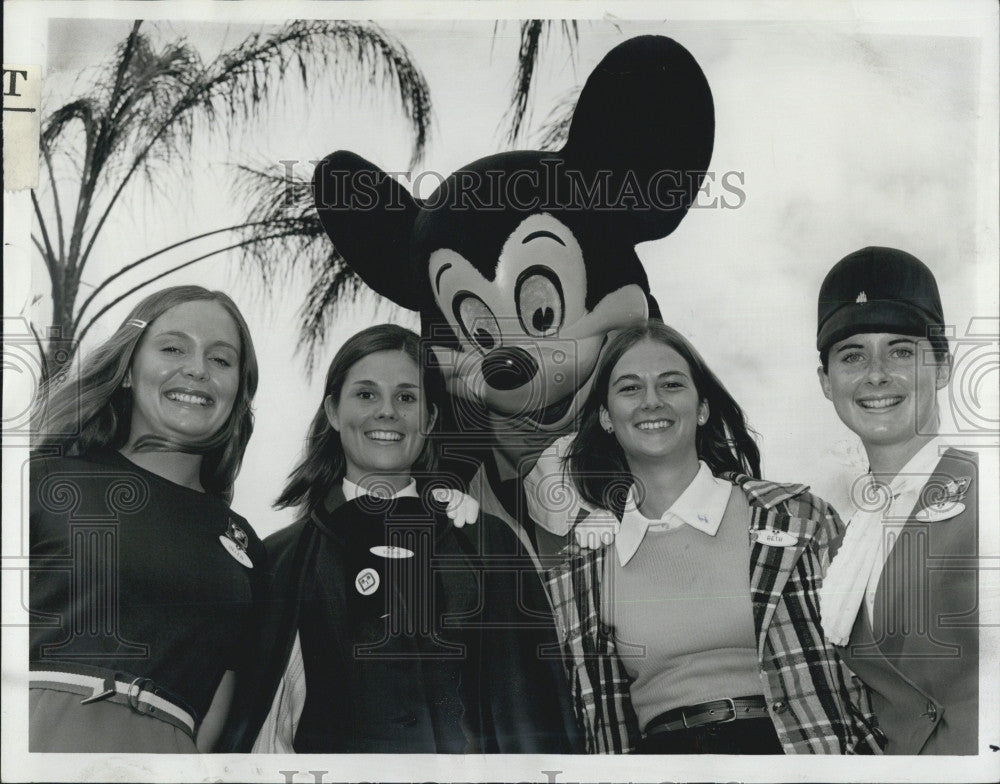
point(141, 116)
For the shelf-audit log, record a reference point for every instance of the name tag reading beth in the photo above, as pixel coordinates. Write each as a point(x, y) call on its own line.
point(773, 538)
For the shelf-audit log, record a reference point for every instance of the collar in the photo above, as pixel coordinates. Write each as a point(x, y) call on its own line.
point(352, 490)
point(701, 506)
point(918, 469)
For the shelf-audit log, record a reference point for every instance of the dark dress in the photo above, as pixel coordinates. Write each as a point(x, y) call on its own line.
point(129, 577)
point(417, 637)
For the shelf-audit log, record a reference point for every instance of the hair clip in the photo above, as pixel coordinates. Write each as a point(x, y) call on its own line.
point(137, 323)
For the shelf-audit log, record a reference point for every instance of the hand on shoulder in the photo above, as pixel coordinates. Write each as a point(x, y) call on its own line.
point(462, 509)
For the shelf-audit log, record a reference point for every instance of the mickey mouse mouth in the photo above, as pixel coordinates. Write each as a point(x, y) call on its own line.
point(555, 412)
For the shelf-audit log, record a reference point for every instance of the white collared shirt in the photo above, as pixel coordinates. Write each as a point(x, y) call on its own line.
point(352, 490)
point(701, 506)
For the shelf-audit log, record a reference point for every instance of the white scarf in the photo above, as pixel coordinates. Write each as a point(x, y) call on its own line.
point(857, 568)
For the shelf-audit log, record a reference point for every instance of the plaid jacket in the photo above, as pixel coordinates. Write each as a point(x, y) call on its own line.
point(807, 689)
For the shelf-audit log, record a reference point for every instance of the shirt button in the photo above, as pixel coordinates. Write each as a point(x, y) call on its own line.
point(779, 706)
point(931, 712)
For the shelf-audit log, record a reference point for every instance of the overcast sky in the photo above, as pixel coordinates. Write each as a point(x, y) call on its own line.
point(846, 133)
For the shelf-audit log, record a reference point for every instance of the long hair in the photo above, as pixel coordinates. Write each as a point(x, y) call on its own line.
point(597, 462)
point(324, 464)
point(94, 409)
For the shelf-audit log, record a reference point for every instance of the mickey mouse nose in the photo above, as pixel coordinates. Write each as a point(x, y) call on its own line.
point(509, 368)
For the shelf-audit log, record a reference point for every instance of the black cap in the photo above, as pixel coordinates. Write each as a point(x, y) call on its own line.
point(878, 290)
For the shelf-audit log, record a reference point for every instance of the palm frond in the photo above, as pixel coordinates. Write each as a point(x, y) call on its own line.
point(274, 200)
point(532, 32)
point(334, 285)
point(553, 132)
point(167, 94)
point(82, 109)
point(277, 201)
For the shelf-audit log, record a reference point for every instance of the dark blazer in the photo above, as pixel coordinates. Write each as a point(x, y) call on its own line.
point(919, 656)
point(518, 699)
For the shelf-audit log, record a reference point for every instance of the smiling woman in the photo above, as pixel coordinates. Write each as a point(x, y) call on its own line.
point(381, 418)
point(385, 630)
point(702, 612)
point(908, 629)
point(142, 577)
point(185, 375)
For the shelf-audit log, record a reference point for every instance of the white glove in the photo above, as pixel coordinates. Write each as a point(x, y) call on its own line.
point(556, 505)
point(462, 509)
point(597, 529)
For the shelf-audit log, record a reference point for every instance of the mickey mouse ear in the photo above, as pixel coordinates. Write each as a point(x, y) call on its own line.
point(646, 113)
point(369, 216)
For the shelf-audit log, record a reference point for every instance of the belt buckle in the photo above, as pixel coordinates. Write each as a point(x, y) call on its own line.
point(732, 707)
point(139, 684)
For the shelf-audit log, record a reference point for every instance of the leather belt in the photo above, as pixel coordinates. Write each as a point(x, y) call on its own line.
point(713, 712)
point(139, 694)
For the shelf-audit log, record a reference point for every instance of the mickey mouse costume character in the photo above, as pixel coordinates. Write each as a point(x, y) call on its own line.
point(522, 263)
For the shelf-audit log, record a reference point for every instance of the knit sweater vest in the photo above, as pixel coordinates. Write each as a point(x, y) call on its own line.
point(681, 615)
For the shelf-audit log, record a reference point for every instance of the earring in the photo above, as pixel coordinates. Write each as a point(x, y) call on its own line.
point(127, 382)
point(609, 429)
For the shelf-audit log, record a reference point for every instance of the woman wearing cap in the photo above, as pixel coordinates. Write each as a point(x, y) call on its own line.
point(142, 577)
point(697, 630)
point(900, 598)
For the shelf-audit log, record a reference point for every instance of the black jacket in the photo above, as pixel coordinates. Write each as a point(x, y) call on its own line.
point(489, 600)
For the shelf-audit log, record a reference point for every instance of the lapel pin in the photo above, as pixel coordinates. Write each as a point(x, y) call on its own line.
point(235, 540)
point(367, 581)
point(956, 490)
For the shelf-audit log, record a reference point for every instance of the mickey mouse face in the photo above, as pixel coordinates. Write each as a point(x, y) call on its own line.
point(527, 343)
point(510, 357)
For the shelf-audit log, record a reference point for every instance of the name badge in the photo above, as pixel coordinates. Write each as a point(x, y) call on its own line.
point(236, 541)
point(391, 551)
point(945, 510)
point(773, 538)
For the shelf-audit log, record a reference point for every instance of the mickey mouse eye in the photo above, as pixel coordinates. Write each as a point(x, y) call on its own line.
point(477, 321)
point(540, 305)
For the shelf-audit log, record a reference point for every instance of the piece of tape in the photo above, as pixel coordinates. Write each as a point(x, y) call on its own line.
point(22, 103)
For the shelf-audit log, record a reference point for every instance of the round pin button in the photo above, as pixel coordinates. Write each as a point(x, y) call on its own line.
point(367, 581)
